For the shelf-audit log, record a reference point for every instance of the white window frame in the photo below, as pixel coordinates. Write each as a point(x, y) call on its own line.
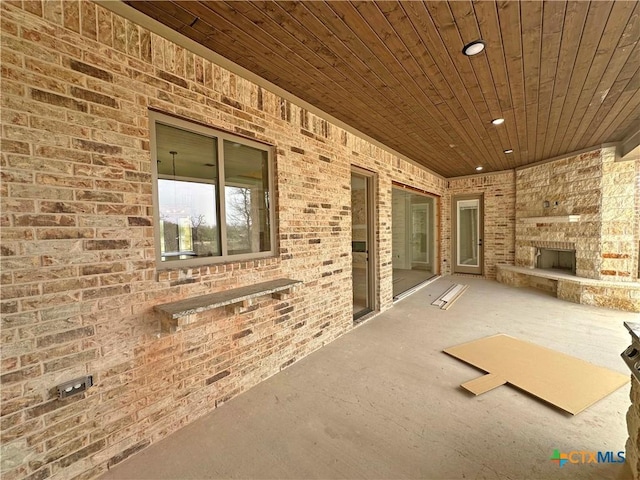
point(160, 118)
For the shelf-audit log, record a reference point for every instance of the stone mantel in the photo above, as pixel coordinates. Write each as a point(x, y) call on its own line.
point(552, 219)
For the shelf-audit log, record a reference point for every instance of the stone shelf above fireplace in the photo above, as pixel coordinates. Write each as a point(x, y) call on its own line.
point(552, 219)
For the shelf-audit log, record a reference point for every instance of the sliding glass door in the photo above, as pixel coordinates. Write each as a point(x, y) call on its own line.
point(413, 239)
point(362, 246)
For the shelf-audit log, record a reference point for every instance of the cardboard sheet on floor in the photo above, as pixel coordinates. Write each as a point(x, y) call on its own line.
point(562, 380)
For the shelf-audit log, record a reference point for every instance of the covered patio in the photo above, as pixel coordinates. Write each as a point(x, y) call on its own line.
point(219, 221)
point(384, 402)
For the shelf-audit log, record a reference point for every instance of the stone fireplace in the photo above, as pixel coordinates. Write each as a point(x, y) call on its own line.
point(578, 229)
point(585, 204)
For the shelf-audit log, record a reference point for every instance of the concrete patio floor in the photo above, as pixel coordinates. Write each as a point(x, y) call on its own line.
point(384, 402)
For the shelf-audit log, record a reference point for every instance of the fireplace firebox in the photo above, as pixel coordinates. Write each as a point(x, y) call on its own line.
point(556, 259)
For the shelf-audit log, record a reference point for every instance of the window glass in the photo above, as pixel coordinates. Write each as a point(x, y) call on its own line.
point(187, 199)
point(246, 199)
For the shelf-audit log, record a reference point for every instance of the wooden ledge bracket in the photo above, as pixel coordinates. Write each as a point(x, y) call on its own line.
point(236, 300)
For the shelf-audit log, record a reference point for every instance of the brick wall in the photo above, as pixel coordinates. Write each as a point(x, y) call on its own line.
point(600, 190)
point(78, 272)
point(499, 193)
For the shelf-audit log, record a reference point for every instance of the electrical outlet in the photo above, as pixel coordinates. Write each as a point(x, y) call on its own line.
point(74, 386)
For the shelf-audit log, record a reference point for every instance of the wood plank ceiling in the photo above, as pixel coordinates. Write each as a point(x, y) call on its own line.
point(564, 75)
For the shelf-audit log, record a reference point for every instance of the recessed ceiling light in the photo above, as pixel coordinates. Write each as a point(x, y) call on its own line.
point(509, 150)
point(497, 121)
point(473, 48)
point(479, 167)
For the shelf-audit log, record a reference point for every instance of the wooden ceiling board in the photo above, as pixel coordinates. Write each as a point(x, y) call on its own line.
point(509, 14)
point(259, 40)
point(472, 99)
point(595, 22)
point(562, 74)
point(617, 97)
point(487, 17)
point(478, 118)
point(442, 63)
point(298, 82)
point(531, 19)
point(432, 106)
point(427, 64)
point(403, 65)
point(599, 70)
point(437, 87)
point(602, 124)
point(631, 115)
point(387, 67)
point(464, 18)
point(552, 23)
point(395, 74)
point(575, 17)
point(363, 74)
point(388, 76)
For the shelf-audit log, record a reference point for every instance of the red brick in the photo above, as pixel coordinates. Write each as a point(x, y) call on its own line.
point(70, 361)
point(58, 100)
point(20, 375)
point(45, 220)
point(67, 207)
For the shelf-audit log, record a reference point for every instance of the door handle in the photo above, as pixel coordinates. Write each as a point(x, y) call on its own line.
point(480, 242)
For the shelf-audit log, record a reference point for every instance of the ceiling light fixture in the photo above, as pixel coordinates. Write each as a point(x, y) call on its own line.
point(479, 167)
point(497, 121)
point(509, 150)
point(473, 48)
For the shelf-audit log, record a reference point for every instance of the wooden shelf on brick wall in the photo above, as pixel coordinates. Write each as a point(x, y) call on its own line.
point(181, 312)
point(552, 219)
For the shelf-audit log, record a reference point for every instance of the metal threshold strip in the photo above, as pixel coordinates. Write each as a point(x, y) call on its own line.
point(445, 301)
point(406, 293)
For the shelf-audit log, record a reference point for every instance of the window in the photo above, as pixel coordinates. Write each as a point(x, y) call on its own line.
point(212, 194)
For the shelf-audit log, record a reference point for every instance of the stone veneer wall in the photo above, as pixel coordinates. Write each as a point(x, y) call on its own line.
point(78, 272)
point(636, 231)
point(600, 190)
point(632, 455)
point(499, 193)
point(619, 228)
